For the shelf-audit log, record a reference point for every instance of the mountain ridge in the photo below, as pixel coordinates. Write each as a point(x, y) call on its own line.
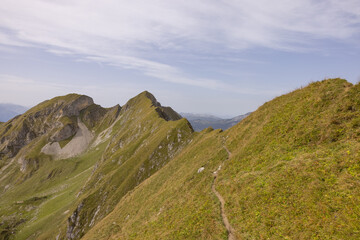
point(267, 186)
point(290, 169)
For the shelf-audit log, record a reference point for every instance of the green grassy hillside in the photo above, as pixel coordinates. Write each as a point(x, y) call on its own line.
point(293, 173)
point(44, 200)
point(295, 167)
point(174, 203)
point(35, 188)
point(140, 142)
point(130, 144)
point(290, 170)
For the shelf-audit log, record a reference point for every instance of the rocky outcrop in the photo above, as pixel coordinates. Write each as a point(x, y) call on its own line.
point(73, 221)
point(14, 141)
point(41, 120)
point(78, 144)
point(94, 114)
point(168, 113)
point(74, 108)
point(64, 133)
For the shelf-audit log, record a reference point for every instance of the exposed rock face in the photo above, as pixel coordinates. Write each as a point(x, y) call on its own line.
point(168, 113)
point(66, 132)
point(93, 114)
point(73, 221)
point(41, 120)
point(78, 144)
point(12, 143)
point(76, 106)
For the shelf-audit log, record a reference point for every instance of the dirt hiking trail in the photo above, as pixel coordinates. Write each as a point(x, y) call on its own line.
point(226, 222)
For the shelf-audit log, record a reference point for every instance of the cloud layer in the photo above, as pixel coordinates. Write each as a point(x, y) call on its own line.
point(128, 33)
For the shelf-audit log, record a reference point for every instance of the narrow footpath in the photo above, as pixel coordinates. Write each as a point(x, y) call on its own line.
point(226, 222)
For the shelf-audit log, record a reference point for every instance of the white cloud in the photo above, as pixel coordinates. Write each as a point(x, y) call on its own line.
point(16, 89)
point(125, 33)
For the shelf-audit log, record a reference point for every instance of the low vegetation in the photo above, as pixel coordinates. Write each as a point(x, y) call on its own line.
point(290, 170)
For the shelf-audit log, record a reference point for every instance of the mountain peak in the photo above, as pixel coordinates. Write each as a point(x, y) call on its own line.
point(56, 117)
point(146, 100)
point(151, 97)
point(67, 105)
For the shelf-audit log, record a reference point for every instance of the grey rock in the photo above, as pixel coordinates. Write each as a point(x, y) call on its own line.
point(64, 133)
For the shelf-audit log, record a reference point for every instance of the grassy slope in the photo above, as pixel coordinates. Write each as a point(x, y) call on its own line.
point(56, 184)
point(140, 144)
point(295, 168)
point(32, 150)
point(70, 175)
point(174, 203)
point(293, 174)
point(37, 198)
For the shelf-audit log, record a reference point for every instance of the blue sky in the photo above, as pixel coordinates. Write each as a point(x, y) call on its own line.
point(224, 57)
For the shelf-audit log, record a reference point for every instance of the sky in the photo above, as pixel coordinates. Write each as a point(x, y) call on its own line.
point(223, 57)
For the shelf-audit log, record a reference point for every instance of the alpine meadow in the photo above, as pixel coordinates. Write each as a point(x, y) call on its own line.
point(289, 170)
point(176, 120)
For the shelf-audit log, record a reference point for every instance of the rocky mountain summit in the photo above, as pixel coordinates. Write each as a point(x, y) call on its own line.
point(69, 126)
point(52, 116)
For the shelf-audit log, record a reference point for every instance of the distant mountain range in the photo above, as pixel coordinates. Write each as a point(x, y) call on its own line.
point(202, 121)
point(8, 111)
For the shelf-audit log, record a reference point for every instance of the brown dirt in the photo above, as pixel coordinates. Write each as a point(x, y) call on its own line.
point(226, 222)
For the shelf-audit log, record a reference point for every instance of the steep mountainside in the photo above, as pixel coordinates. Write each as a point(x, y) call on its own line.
point(43, 188)
point(31, 178)
point(200, 121)
point(296, 166)
point(8, 111)
point(290, 170)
